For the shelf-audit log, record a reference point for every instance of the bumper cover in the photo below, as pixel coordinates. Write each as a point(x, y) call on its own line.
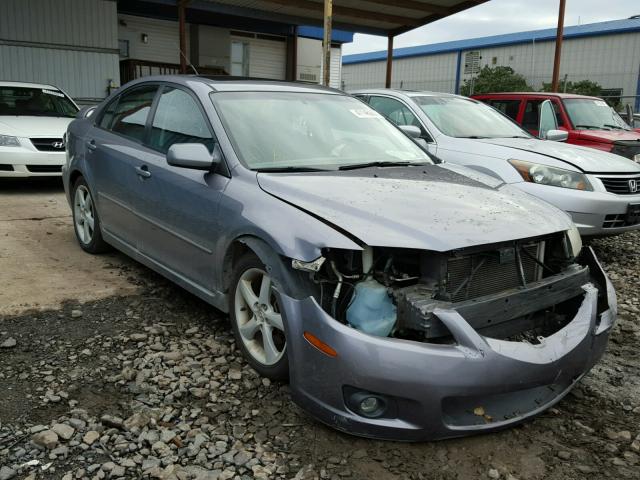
point(589, 210)
point(21, 162)
point(438, 391)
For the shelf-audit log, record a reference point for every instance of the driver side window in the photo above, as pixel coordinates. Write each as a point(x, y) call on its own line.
point(394, 110)
point(178, 119)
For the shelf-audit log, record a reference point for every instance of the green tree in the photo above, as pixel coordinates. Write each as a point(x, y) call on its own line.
point(496, 79)
point(582, 87)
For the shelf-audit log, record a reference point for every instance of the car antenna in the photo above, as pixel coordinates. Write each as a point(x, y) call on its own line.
point(189, 63)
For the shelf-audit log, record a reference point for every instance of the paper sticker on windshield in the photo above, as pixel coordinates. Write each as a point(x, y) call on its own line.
point(365, 113)
point(52, 92)
point(601, 103)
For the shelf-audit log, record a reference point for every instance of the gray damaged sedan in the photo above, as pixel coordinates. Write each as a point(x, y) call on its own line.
point(401, 297)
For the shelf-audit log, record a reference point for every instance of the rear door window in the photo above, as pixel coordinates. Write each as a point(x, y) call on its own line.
point(509, 107)
point(131, 112)
point(179, 119)
point(394, 110)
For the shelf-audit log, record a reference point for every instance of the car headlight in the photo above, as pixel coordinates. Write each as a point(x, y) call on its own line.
point(7, 141)
point(636, 158)
point(575, 241)
point(555, 177)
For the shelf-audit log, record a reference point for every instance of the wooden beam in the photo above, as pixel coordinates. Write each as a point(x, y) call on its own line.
point(326, 43)
point(415, 5)
point(182, 27)
point(387, 82)
point(555, 80)
point(349, 12)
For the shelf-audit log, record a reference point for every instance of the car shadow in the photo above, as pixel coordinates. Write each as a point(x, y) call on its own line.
point(33, 184)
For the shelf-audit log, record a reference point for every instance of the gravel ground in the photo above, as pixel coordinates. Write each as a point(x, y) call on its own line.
point(152, 386)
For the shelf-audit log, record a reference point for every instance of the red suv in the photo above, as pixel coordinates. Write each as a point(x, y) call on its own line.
point(590, 121)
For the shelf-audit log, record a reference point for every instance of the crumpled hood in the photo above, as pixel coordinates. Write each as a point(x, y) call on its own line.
point(24, 126)
point(586, 159)
point(608, 136)
point(440, 207)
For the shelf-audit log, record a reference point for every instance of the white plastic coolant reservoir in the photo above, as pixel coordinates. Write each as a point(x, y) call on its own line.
point(372, 310)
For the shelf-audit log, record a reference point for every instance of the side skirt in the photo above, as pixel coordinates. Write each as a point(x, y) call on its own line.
point(215, 298)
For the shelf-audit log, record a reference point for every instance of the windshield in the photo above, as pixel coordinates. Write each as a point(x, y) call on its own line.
point(271, 130)
point(592, 113)
point(465, 118)
point(41, 102)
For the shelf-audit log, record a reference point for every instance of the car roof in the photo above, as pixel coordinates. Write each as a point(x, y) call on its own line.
point(26, 85)
point(399, 91)
point(240, 84)
point(535, 94)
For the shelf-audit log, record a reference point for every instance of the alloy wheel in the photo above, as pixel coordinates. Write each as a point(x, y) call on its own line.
point(83, 214)
point(258, 317)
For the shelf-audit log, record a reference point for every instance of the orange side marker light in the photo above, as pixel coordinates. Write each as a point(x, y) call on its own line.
point(320, 345)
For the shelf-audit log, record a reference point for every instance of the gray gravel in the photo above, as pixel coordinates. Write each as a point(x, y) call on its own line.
point(152, 386)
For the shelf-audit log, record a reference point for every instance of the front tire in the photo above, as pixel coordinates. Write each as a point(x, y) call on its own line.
point(86, 222)
point(256, 319)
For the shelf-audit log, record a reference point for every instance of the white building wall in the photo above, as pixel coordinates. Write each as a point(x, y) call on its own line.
point(613, 61)
point(310, 62)
point(435, 73)
point(163, 38)
point(69, 43)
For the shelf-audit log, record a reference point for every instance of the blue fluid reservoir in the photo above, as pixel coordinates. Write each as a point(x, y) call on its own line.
point(372, 310)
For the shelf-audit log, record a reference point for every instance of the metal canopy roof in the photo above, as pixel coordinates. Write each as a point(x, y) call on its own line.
point(548, 34)
point(378, 17)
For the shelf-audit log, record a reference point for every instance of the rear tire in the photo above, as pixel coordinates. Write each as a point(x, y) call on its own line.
point(86, 222)
point(256, 319)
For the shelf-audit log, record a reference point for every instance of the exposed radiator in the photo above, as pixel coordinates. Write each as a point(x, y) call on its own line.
point(485, 273)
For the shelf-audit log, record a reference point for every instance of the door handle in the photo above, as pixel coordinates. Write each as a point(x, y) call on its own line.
point(143, 171)
point(91, 145)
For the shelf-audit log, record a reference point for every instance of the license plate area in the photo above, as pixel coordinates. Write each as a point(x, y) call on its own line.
point(633, 213)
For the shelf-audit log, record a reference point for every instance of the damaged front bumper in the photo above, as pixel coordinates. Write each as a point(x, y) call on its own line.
point(434, 391)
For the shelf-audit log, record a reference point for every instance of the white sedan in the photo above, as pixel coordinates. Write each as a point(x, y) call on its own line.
point(33, 121)
point(600, 190)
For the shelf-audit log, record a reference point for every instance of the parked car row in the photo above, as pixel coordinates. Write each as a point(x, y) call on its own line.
point(401, 296)
point(600, 191)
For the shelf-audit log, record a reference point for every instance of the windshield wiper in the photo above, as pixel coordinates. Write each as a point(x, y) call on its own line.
point(292, 169)
point(617, 127)
point(595, 127)
point(355, 166)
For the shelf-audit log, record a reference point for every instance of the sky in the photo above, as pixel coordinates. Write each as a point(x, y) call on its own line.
point(501, 16)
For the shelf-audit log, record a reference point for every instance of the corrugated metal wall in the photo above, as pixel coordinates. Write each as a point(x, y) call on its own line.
point(613, 61)
point(163, 38)
point(69, 43)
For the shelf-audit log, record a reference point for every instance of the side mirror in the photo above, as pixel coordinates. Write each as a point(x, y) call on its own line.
point(86, 112)
point(557, 135)
point(193, 155)
point(411, 130)
point(548, 120)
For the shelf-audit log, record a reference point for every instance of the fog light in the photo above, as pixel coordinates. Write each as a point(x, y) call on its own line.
point(369, 405)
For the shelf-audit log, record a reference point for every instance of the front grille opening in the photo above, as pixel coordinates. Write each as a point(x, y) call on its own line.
point(537, 326)
point(616, 221)
point(48, 144)
point(44, 168)
point(620, 185)
point(6, 168)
